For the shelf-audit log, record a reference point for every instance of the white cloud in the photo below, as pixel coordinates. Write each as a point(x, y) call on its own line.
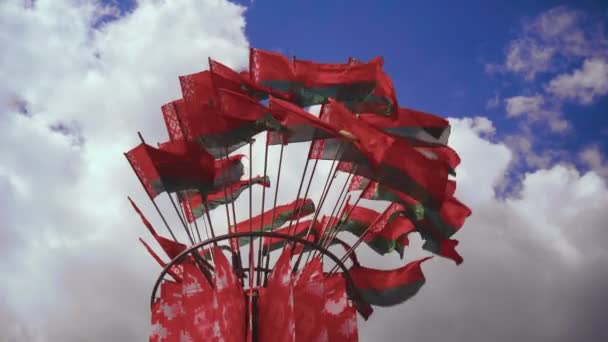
point(531, 261)
point(67, 228)
point(560, 32)
point(536, 109)
point(527, 57)
point(582, 85)
point(524, 105)
point(68, 240)
point(593, 158)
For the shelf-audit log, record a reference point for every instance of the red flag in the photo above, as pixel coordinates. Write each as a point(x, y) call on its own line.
point(200, 108)
point(406, 170)
point(309, 302)
point(229, 297)
point(160, 170)
point(370, 142)
point(167, 314)
point(200, 315)
point(299, 124)
point(172, 248)
point(422, 128)
point(192, 201)
point(299, 230)
point(276, 320)
point(172, 121)
point(383, 99)
point(282, 214)
point(388, 287)
point(339, 314)
point(174, 271)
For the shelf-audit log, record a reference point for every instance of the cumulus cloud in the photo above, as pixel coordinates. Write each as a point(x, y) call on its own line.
point(68, 241)
point(582, 85)
point(592, 157)
point(559, 33)
point(532, 261)
point(534, 108)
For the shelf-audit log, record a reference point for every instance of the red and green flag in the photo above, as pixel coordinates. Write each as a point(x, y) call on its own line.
point(388, 231)
point(388, 287)
point(202, 120)
point(282, 214)
point(160, 170)
point(310, 83)
point(363, 144)
point(298, 124)
point(435, 226)
point(408, 171)
point(422, 127)
point(192, 201)
point(382, 101)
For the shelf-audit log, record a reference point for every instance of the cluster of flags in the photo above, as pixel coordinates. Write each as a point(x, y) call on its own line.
point(390, 153)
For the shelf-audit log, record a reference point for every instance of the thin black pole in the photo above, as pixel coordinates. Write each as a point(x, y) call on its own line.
point(274, 207)
point(259, 273)
point(181, 218)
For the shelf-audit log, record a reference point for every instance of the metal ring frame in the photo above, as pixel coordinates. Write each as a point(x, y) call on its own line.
point(351, 290)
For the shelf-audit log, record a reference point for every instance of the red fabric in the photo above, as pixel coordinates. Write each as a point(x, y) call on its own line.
point(174, 272)
point(152, 164)
point(313, 74)
point(368, 278)
point(400, 161)
point(200, 107)
point(172, 122)
point(384, 89)
point(198, 91)
point(167, 314)
point(292, 117)
point(193, 199)
point(339, 313)
point(309, 302)
point(269, 66)
point(276, 304)
point(199, 312)
point(170, 247)
point(292, 210)
point(224, 77)
point(300, 229)
point(229, 300)
point(390, 228)
point(370, 141)
point(237, 106)
point(407, 117)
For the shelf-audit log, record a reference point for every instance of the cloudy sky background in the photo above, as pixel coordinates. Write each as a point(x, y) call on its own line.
point(524, 85)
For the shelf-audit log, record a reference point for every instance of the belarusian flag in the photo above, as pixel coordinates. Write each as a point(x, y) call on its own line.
point(199, 311)
point(363, 143)
point(426, 133)
point(299, 230)
point(406, 170)
point(435, 226)
point(388, 287)
point(282, 214)
point(298, 124)
point(385, 235)
point(160, 170)
point(167, 313)
point(311, 83)
point(424, 128)
point(202, 120)
point(192, 201)
point(383, 100)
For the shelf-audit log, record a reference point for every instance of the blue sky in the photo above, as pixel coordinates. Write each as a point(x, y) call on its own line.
point(436, 53)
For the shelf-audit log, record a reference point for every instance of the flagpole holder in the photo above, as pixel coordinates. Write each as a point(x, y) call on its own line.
point(351, 290)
